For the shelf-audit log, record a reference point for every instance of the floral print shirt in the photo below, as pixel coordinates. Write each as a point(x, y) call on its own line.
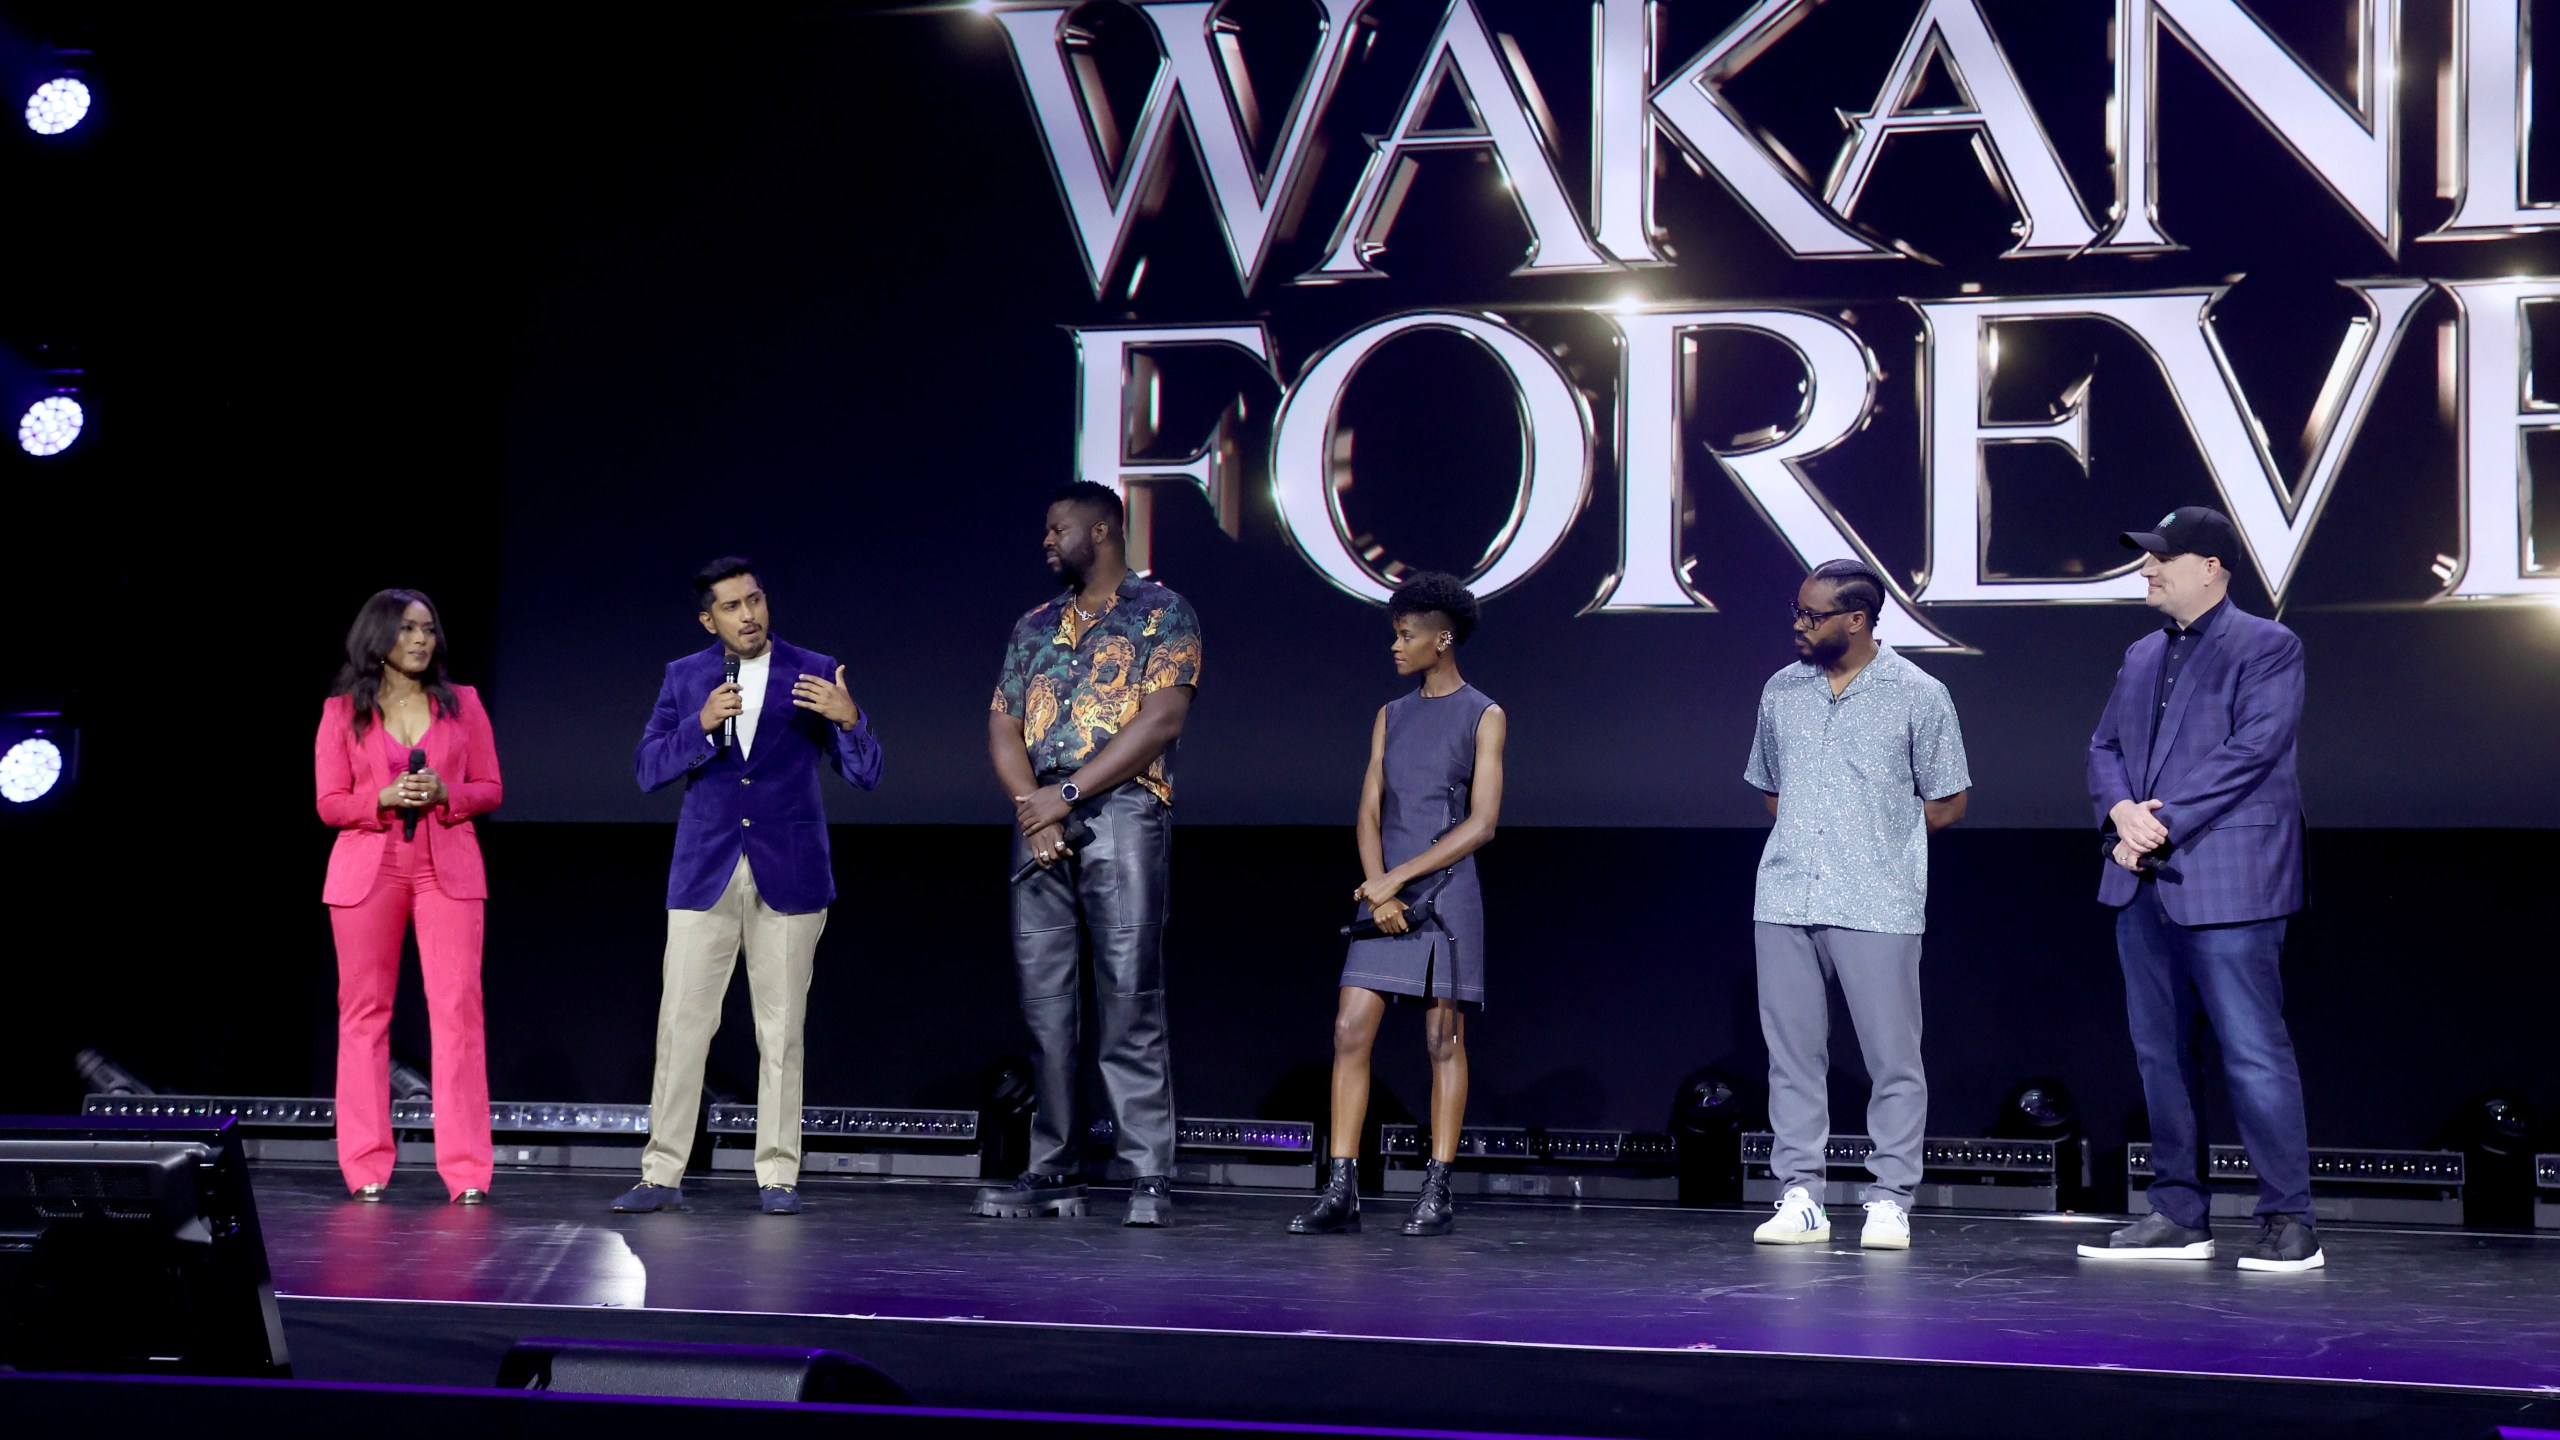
point(1073, 683)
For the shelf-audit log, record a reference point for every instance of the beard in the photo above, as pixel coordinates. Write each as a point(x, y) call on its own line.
point(1824, 651)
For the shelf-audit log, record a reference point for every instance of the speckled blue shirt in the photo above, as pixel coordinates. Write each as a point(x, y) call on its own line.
point(1851, 846)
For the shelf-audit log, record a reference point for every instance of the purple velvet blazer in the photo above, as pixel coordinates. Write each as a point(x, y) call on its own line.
point(768, 804)
point(2222, 764)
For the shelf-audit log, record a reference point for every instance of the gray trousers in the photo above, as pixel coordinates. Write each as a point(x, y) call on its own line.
point(1106, 902)
point(1879, 976)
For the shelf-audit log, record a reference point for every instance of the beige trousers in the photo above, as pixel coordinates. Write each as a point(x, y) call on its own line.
point(702, 952)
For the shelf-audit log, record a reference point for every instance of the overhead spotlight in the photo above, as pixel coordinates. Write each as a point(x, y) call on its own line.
point(50, 425)
point(28, 770)
point(38, 755)
point(57, 105)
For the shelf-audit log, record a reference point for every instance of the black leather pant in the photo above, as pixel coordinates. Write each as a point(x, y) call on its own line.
point(1107, 901)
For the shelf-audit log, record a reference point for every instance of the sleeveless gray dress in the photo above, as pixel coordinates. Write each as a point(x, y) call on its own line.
point(1430, 764)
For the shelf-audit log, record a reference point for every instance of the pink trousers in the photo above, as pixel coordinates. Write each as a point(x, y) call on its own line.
point(368, 936)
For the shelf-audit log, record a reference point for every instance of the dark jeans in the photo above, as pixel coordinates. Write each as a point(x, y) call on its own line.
point(1106, 901)
point(2227, 974)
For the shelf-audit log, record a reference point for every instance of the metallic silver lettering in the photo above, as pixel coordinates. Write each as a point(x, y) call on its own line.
point(1116, 420)
point(2010, 141)
point(1555, 473)
point(1193, 85)
point(1500, 105)
point(2350, 145)
point(1839, 394)
point(2488, 133)
point(1692, 107)
point(2498, 409)
point(1622, 131)
point(2275, 519)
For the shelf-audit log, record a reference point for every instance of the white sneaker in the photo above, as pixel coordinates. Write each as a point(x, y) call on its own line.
point(1799, 1221)
point(1888, 1227)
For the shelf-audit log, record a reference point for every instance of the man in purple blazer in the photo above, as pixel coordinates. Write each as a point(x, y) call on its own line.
point(2193, 779)
point(751, 868)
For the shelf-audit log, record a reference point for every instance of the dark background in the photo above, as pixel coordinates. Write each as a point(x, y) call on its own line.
point(535, 312)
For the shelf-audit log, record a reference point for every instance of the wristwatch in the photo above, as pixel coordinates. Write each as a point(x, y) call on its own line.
point(1068, 792)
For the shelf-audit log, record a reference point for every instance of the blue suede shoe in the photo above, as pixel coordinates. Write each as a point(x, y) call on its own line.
point(645, 1198)
point(779, 1199)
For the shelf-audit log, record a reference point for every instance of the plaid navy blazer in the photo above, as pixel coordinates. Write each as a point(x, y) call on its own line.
point(2222, 764)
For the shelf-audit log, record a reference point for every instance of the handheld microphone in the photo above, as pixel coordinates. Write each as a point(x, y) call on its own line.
point(729, 727)
point(409, 813)
point(1078, 834)
point(1416, 915)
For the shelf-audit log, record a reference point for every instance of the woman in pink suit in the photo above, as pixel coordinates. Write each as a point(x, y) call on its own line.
point(403, 763)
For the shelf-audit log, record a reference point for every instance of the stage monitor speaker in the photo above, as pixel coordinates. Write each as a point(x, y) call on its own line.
point(697, 1372)
point(132, 1246)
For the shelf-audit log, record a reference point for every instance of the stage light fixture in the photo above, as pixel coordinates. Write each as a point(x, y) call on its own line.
point(2496, 1131)
point(39, 759)
point(2041, 1107)
point(2391, 1187)
point(103, 1076)
point(1540, 1162)
point(1212, 1151)
point(1956, 1173)
point(1710, 1110)
point(533, 1134)
point(57, 105)
point(29, 769)
point(50, 425)
point(857, 1140)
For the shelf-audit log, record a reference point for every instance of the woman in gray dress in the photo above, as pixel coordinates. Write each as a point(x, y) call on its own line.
point(1432, 796)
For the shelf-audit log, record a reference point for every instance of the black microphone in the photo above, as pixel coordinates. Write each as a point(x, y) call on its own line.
point(729, 727)
point(1078, 834)
point(409, 813)
point(1416, 916)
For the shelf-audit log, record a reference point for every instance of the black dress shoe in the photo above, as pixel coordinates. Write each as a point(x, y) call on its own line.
point(645, 1198)
point(2285, 1243)
point(1032, 1193)
point(1337, 1210)
point(473, 1195)
point(369, 1194)
point(779, 1199)
point(1150, 1202)
point(1435, 1213)
point(2153, 1237)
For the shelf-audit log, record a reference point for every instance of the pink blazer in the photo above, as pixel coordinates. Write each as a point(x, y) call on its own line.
point(350, 774)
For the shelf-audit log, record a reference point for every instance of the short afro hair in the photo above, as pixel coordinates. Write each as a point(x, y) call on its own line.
point(1101, 499)
point(1432, 593)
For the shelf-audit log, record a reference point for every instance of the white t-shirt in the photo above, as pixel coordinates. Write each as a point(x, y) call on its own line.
point(751, 678)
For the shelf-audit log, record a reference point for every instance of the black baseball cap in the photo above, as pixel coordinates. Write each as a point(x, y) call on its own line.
point(2189, 530)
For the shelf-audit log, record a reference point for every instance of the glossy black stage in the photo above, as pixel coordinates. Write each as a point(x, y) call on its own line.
point(1535, 1317)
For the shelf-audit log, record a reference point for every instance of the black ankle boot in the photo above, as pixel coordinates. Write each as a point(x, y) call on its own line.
point(1435, 1213)
point(1337, 1210)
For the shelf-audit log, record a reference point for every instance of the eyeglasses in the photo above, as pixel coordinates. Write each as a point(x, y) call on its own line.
point(1798, 615)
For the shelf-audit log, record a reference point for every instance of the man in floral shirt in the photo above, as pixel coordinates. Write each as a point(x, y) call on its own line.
point(1095, 689)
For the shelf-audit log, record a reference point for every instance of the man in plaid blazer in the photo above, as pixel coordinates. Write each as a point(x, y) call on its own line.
point(2192, 776)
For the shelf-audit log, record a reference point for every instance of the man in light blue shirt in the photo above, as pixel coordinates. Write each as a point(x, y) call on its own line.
point(1860, 757)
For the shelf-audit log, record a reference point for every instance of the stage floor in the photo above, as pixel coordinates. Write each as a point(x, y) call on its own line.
point(874, 1265)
